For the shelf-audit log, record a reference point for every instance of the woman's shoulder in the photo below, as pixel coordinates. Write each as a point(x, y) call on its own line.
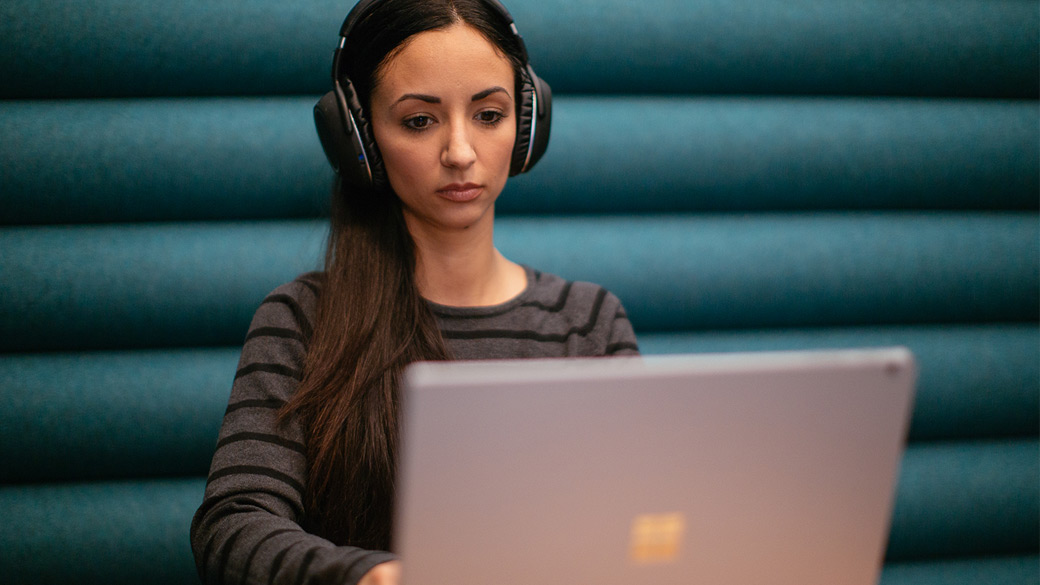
point(304, 289)
point(584, 316)
point(306, 285)
point(587, 307)
point(556, 292)
point(292, 304)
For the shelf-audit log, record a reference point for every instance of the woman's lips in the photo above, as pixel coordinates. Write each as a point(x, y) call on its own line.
point(459, 192)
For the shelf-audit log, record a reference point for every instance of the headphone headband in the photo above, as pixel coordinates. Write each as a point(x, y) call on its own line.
point(362, 8)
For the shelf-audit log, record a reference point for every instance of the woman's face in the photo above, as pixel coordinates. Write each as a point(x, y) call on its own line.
point(442, 114)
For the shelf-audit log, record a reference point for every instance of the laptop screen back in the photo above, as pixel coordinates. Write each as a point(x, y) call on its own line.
point(737, 468)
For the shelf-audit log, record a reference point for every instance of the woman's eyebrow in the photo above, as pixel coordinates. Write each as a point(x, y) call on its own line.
point(430, 99)
point(479, 96)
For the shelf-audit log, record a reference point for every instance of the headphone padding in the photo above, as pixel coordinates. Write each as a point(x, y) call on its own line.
point(524, 113)
point(534, 114)
point(544, 122)
point(376, 176)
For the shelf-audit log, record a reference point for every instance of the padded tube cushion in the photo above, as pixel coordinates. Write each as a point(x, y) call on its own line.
point(916, 47)
point(145, 160)
point(968, 499)
point(973, 382)
point(167, 160)
point(107, 415)
point(112, 415)
point(919, 47)
point(710, 272)
point(198, 284)
point(99, 533)
point(160, 285)
point(612, 155)
point(1014, 570)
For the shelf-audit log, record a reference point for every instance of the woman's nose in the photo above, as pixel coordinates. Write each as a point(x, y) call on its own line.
point(458, 151)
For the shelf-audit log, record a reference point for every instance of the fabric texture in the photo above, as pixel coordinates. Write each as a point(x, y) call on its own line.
point(249, 526)
point(773, 47)
point(79, 161)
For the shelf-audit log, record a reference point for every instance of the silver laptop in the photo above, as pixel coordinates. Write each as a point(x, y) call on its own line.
point(750, 468)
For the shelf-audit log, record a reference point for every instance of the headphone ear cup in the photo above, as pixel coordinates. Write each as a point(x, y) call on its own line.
point(347, 140)
point(534, 115)
point(335, 139)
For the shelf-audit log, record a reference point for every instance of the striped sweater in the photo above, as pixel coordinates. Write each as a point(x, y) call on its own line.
point(248, 528)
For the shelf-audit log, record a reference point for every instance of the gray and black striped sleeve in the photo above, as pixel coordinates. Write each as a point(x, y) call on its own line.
point(622, 338)
point(248, 529)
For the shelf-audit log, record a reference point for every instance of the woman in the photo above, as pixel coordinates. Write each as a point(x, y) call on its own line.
point(445, 108)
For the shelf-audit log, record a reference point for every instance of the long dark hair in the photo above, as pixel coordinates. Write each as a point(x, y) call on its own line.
point(371, 320)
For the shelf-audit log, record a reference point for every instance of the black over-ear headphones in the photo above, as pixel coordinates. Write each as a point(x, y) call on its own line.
point(347, 138)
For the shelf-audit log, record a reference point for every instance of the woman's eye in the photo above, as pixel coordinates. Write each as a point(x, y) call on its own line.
point(418, 122)
point(490, 117)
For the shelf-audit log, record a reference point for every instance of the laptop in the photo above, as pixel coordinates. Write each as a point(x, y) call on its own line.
point(768, 468)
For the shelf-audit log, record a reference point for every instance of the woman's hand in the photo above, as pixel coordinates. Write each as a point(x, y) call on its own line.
point(388, 573)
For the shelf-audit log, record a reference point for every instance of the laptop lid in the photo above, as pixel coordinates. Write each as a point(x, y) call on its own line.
point(732, 468)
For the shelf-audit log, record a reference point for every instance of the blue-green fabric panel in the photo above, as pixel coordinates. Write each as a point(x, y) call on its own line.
point(111, 415)
point(1012, 570)
point(157, 412)
point(111, 533)
point(140, 285)
point(967, 499)
point(198, 284)
point(744, 174)
point(973, 381)
point(111, 48)
point(204, 159)
point(160, 160)
point(677, 273)
point(612, 155)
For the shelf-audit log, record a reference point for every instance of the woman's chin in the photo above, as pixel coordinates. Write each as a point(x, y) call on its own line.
point(453, 218)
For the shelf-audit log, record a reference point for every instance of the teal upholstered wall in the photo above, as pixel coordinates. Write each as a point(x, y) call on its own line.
point(743, 174)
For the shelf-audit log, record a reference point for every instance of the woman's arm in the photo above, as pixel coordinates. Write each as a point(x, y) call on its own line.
point(622, 338)
point(249, 528)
